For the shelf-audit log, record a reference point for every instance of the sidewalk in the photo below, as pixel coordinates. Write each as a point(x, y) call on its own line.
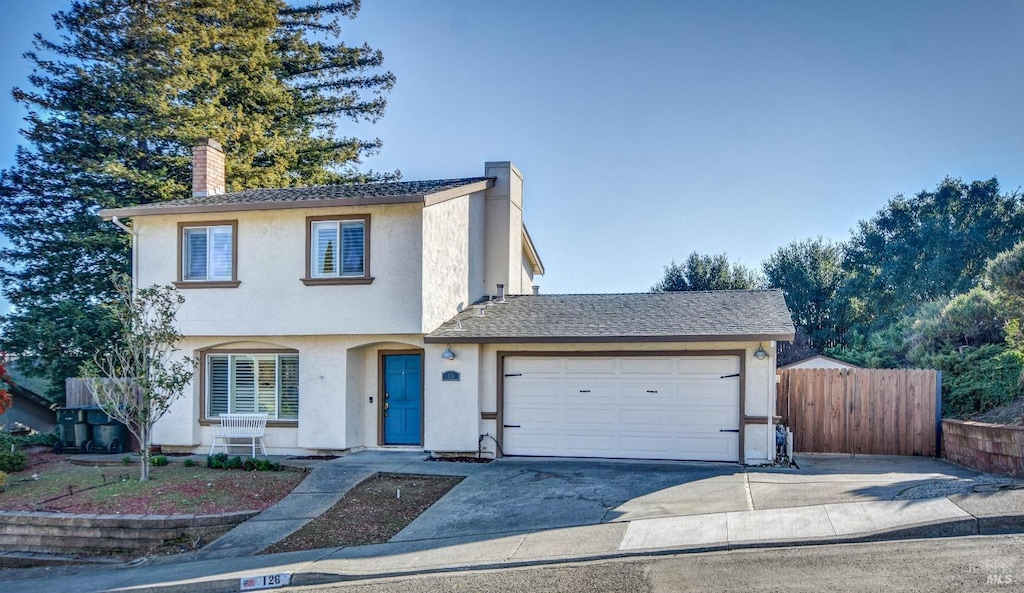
point(220, 566)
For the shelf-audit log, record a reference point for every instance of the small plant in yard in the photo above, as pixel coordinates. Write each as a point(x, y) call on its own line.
point(158, 461)
point(189, 463)
point(217, 461)
point(3, 481)
point(127, 460)
point(222, 461)
point(12, 461)
point(142, 373)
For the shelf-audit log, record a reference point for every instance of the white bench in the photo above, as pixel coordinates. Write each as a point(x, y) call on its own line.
point(240, 426)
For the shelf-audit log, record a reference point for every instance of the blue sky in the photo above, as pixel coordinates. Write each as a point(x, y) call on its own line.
point(647, 130)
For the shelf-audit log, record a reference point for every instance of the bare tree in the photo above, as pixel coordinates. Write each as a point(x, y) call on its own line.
point(141, 375)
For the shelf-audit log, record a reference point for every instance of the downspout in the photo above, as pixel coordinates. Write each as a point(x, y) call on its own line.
point(770, 451)
point(135, 255)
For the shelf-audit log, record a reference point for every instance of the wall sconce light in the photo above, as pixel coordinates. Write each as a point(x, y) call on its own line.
point(760, 353)
point(448, 354)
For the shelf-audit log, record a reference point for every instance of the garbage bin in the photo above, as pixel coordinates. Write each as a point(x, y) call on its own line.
point(82, 436)
point(96, 415)
point(108, 438)
point(66, 420)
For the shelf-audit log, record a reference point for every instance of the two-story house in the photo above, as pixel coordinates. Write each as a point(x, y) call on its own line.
point(404, 315)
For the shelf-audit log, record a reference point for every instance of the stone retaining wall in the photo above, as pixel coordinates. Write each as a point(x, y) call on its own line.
point(995, 448)
point(63, 533)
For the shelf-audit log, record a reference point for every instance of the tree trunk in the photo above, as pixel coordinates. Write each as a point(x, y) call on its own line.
point(144, 454)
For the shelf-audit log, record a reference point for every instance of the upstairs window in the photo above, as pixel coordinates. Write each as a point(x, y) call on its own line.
point(338, 250)
point(207, 254)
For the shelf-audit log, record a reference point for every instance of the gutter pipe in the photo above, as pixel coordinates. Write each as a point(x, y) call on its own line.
point(117, 222)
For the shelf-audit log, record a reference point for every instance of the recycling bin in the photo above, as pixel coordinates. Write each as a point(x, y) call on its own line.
point(66, 420)
point(82, 436)
point(107, 438)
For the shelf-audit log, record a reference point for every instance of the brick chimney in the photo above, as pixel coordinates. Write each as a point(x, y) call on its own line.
point(207, 168)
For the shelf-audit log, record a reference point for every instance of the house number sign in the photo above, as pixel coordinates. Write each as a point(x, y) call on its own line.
point(451, 376)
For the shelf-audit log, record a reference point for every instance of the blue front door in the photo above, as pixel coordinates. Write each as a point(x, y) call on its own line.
point(402, 399)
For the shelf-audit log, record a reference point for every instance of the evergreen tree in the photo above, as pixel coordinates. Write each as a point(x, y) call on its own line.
point(811, 275)
point(114, 106)
point(707, 272)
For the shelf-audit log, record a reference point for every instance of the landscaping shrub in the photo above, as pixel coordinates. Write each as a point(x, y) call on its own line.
point(158, 461)
point(217, 461)
point(12, 461)
point(222, 461)
point(127, 460)
point(3, 481)
point(979, 379)
point(40, 439)
point(189, 462)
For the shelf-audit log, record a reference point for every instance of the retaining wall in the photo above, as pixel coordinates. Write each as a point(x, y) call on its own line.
point(995, 448)
point(63, 533)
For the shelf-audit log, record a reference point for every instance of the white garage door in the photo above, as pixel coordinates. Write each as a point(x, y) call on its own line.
point(639, 407)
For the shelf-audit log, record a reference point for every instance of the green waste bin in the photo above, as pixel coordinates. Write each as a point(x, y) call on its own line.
point(108, 438)
point(82, 436)
point(66, 420)
point(96, 416)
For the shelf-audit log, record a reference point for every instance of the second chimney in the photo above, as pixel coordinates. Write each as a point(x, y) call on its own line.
point(207, 168)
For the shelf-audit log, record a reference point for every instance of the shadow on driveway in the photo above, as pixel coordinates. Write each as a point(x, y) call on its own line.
point(528, 494)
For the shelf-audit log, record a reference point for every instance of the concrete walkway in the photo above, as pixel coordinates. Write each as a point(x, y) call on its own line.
point(325, 485)
point(996, 510)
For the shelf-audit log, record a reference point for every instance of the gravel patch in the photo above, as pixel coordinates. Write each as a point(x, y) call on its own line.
point(982, 483)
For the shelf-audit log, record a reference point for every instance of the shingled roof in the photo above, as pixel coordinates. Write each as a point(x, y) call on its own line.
point(720, 315)
point(313, 197)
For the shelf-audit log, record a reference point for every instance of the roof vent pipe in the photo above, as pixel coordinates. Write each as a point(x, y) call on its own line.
point(501, 293)
point(536, 290)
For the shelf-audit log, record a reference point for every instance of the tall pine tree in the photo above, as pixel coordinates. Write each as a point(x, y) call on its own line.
point(114, 106)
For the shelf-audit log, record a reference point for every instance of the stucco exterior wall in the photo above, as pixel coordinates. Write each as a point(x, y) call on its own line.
point(504, 228)
point(446, 261)
point(337, 377)
point(271, 260)
point(525, 276)
point(452, 408)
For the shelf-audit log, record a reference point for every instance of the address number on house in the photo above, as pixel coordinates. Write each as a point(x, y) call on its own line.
point(265, 581)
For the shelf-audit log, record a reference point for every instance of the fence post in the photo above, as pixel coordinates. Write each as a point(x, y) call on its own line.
point(938, 414)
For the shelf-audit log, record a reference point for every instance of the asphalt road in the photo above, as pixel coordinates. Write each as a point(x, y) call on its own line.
point(981, 563)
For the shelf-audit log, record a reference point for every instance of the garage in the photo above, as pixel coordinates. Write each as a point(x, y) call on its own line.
point(684, 375)
point(683, 407)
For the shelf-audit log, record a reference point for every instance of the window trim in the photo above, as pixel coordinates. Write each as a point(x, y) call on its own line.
point(366, 278)
point(204, 381)
point(181, 282)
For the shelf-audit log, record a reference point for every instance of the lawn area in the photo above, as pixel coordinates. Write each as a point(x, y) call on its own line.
point(53, 483)
point(371, 513)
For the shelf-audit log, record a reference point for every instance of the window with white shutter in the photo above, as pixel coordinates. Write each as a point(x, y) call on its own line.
point(207, 255)
point(245, 383)
point(339, 250)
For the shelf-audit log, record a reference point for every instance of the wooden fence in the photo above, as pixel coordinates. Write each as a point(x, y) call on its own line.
point(77, 393)
point(865, 411)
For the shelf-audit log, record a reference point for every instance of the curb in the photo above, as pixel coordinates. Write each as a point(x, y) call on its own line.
point(1007, 524)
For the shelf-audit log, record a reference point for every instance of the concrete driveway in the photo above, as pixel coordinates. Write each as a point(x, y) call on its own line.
point(523, 494)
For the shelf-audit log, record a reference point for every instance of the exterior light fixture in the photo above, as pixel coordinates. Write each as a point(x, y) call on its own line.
point(760, 353)
point(448, 354)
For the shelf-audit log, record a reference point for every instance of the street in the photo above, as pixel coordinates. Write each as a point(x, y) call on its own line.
point(980, 563)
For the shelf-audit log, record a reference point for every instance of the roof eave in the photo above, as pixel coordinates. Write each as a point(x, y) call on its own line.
point(425, 198)
point(107, 214)
point(452, 337)
point(531, 253)
point(458, 192)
